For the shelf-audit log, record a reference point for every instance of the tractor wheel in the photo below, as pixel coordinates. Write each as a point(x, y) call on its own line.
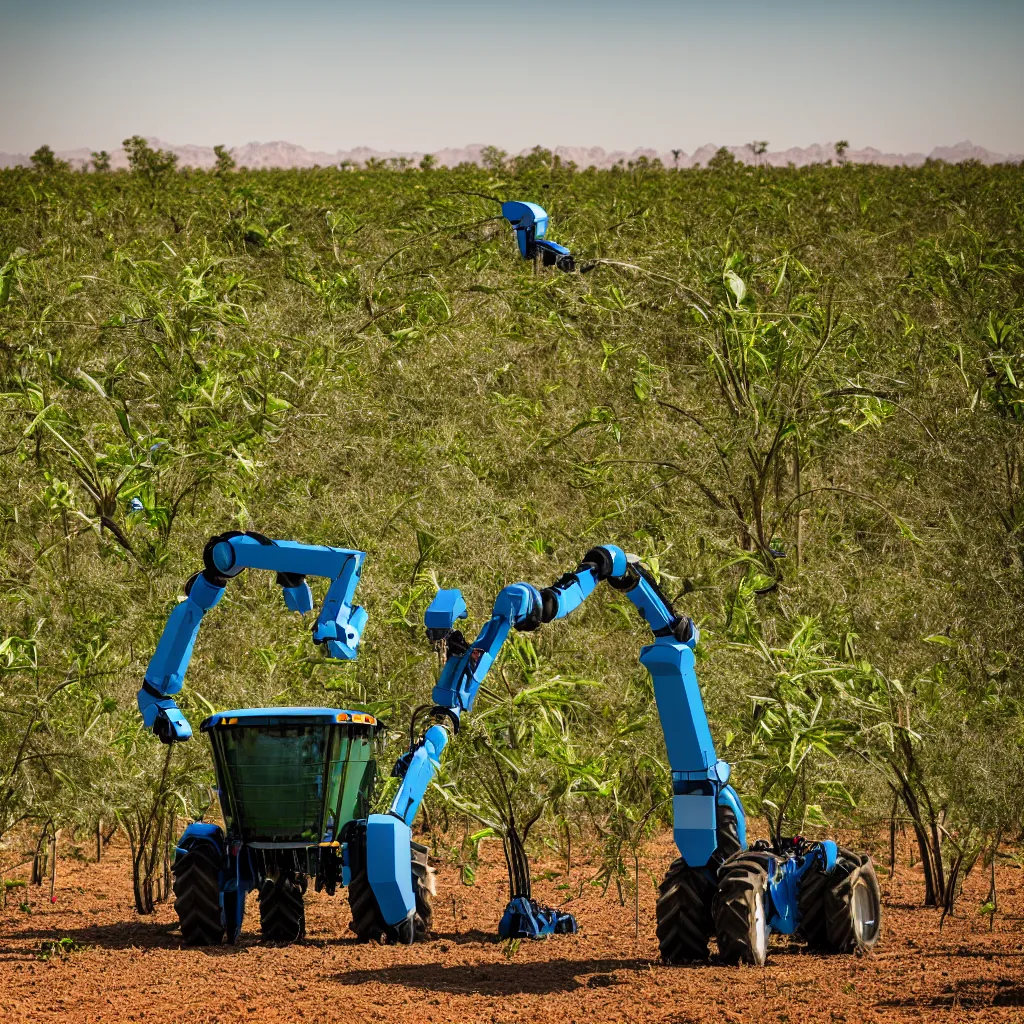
point(810, 900)
point(853, 905)
point(727, 834)
point(740, 910)
point(197, 896)
point(282, 909)
point(367, 921)
point(684, 898)
point(423, 888)
point(684, 913)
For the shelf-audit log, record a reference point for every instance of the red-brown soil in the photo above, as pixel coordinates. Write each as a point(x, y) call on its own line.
point(134, 969)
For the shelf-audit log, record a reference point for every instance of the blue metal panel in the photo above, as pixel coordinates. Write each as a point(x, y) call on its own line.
point(728, 797)
point(389, 866)
point(340, 626)
point(242, 552)
point(572, 590)
point(170, 661)
point(153, 708)
point(619, 560)
point(461, 677)
point(831, 854)
point(423, 764)
point(298, 599)
point(203, 593)
point(650, 606)
point(554, 247)
point(694, 827)
point(680, 706)
point(784, 890)
point(201, 832)
point(447, 607)
point(530, 222)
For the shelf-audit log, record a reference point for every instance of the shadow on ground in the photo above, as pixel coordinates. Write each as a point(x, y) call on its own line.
point(967, 994)
point(140, 934)
point(501, 979)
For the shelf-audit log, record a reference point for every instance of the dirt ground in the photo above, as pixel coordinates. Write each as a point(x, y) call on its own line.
point(134, 969)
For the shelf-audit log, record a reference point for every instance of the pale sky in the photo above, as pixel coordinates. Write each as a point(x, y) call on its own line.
point(904, 76)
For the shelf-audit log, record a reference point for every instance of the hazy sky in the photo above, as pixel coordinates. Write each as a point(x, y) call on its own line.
point(423, 74)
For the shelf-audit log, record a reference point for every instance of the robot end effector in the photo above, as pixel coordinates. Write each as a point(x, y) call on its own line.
point(530, 223)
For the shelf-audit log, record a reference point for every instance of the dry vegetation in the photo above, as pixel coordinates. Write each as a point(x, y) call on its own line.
point(798, 394)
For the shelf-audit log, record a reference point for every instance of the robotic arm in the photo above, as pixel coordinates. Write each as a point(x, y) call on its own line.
point(699, 778)
point(338, 628)
point(530, 223)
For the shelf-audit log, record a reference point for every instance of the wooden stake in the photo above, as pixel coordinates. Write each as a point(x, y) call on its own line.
point(636, 895)
point(53, 864)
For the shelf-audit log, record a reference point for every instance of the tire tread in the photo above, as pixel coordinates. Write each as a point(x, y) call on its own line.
point(197, 896)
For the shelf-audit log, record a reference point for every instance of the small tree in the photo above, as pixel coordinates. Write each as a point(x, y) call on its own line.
point(758, 148)
point(152, 164)
point(45, 161)
point(841, 147)
point(493, 158)
point(225, 161)
point(428, 162)
point(723, 160)
point(676, 154)
point(101, 160)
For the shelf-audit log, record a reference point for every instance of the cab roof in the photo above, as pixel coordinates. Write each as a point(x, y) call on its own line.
point(288, 716)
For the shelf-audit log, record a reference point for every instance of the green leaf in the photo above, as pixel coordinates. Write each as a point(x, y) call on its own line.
point(126, 426)
point(92, 382)
point(736, 286)
point(941, 639)
point(814, 815)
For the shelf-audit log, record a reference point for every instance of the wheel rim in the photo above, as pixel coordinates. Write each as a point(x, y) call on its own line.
point(865, 912)
point(760, 929)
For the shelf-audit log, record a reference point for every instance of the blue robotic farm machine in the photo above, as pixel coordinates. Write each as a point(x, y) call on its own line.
point(296, 784)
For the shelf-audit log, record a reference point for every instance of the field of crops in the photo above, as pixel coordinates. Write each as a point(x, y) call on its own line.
point(798, 394)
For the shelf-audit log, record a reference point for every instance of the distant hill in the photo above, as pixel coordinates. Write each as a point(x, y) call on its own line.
point(288, 154)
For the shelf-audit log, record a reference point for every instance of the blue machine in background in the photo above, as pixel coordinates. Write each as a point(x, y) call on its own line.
point(530, 223)
point(717, 887)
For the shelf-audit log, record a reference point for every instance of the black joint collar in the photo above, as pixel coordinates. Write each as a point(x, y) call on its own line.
point(600, 560)
point(440, 712)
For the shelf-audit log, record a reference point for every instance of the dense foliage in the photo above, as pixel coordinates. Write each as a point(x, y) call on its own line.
point(798, 393)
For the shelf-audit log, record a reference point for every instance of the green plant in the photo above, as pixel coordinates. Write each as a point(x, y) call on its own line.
point(61, 948)
point(151, 164)
point(45, 161)
point(225, 161)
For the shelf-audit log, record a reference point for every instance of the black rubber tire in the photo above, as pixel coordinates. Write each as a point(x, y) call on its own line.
point(684, 913)
point(727, 833)
point(282, 908)
point(367, 921)
point(423, 888)
point(197, 896)
point(811, 903)
point(740, 911)
point(853, 905)
point(684, 898)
